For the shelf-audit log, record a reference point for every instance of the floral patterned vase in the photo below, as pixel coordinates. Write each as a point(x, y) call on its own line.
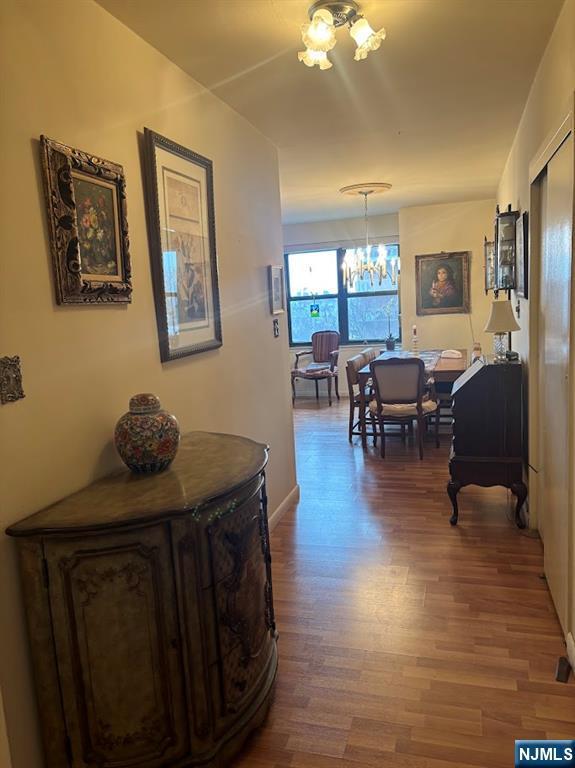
point(147, 437)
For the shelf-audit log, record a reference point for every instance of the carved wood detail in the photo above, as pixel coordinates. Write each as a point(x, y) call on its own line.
point(96, 582)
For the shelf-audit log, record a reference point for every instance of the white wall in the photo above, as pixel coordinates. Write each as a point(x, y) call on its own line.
point(446, 227)
point(549, 97)
point(73, 72)
point(342, 233)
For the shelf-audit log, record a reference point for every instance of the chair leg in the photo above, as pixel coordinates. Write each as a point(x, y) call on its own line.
point(351, 415)
point(382, 436)
point(316, 389)
point(329, 389)
point(373, 427)
point(336, 387)
point(293, 390)
point(420, 428)
point(437, 429)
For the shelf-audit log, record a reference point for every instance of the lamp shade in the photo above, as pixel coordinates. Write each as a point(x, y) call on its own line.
point(501, 318)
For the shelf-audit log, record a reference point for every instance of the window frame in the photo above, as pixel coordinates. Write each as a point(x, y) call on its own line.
point(342, 297)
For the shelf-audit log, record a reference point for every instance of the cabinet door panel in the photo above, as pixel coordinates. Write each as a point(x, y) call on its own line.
point(242, 603)
point(117, 644)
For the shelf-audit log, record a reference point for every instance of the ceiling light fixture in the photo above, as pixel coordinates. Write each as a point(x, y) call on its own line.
point(359, 262)
point(318, 34)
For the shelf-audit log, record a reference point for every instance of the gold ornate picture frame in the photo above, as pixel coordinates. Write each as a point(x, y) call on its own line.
point(442, 283)
point(88, 227)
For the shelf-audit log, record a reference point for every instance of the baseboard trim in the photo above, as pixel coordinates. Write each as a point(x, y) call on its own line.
point(571, 651)
point(290, 500)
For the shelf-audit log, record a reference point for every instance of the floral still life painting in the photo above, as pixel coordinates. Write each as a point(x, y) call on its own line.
point(442, 283)
point(88, 228)
point(97, 233)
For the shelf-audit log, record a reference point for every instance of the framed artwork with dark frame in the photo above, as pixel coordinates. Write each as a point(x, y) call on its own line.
point(442, 283)
point(522, 255)
point(181, 230)
point(276, 290)
point(88, 227)
point(490, 264)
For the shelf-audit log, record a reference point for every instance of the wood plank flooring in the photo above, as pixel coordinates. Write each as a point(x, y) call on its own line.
point(404, 642)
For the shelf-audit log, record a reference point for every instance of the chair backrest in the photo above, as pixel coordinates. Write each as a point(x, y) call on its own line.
point(322, 343)
point(398, 380)
point(369, 353)
point(353, 365)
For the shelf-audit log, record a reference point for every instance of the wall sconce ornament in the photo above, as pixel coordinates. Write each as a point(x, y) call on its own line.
point(505, 249)
point(10, 380)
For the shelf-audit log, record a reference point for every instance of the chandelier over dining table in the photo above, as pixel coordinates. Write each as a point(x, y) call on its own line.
point(360, 263)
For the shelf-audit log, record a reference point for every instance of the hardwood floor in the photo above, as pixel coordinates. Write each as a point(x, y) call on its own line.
point(404, 642)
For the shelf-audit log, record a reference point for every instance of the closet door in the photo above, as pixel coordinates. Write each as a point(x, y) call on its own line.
point(555, 388)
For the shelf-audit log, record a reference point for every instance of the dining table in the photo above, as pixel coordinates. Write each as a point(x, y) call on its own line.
point(440, 368)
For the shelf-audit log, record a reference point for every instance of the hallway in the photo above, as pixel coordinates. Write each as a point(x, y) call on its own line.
point(404, 643)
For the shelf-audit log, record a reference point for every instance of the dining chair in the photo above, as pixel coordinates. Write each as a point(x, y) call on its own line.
point(324, 352)
point(369, 353)
point(401, 397)
point(353, 366)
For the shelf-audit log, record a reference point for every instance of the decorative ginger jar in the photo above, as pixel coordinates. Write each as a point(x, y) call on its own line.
point(147, 437)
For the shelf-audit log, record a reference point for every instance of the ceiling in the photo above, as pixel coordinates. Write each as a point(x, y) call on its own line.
point(433, 111)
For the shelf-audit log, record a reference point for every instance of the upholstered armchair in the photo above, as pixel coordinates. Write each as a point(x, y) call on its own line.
point(324, 354)
point(402, 396)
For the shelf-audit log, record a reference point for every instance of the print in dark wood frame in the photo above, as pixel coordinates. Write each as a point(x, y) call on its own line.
point(202, 275)
point(89, 243)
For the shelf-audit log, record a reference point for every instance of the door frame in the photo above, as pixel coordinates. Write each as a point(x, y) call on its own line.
point(565, 127)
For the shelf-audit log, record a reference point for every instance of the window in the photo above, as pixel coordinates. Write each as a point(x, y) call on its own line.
point(319, 300)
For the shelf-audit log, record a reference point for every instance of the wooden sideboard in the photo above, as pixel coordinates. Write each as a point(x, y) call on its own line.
point(150, 611)
point(487, 447)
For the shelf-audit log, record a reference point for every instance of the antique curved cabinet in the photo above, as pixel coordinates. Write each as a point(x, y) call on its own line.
point(149, 602)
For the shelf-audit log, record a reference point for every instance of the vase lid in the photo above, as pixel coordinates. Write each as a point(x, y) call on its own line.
point(145, 402)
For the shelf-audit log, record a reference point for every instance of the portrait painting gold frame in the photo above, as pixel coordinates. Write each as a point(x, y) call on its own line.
point(181, 230)
point(442, 283)
point(87, 224)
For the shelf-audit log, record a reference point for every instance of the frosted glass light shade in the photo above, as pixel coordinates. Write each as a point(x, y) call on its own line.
point(366, 39)
point(319, 33)
point(313, 58)
point(501, 318)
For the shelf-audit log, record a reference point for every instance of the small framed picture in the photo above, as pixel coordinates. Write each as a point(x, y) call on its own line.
point(182, 234)
point(522, 241)
point(276, 289)
point(86, 201)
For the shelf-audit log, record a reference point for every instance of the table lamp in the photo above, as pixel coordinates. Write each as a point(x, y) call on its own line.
point(501, 322)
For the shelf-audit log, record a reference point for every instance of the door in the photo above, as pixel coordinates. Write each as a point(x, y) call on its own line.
point(555, 395)
point(115, 628)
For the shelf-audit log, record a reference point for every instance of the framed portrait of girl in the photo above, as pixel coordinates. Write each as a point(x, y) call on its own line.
point(442, 283)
